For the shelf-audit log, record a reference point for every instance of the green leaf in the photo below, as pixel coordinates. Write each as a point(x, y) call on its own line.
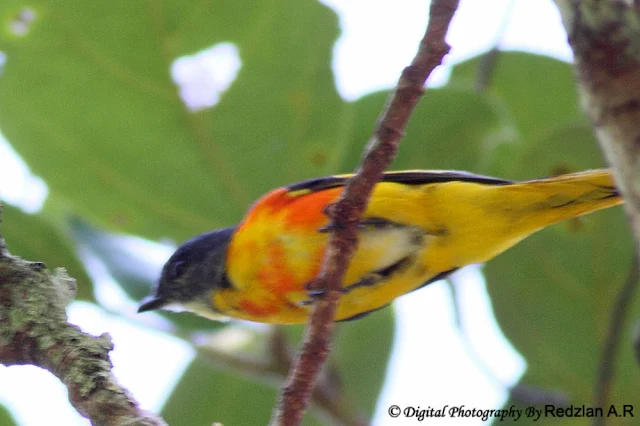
point(35, 238)
point(565, 149)
point(452, 128)
point(553, 293)
point(539, 92)
point(88, 102)
point(206, 395)
point(6, 419)
point(363, 365)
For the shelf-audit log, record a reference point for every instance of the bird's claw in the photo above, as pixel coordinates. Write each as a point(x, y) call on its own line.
point(374, 222)
point(315, 293)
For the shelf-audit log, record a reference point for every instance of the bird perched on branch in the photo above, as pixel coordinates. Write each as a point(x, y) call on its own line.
point(419, 227)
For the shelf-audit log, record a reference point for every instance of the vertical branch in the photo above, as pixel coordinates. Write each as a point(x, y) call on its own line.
point(605, 38)
point(346, 213)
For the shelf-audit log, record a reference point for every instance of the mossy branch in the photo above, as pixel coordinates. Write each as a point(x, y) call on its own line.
point(34, 330)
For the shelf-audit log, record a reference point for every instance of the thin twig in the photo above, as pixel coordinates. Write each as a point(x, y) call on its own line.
point(523, 393)
point(617, 318)
point(488, 61)
point(636, 345)
point(327, 399)
point(485, 70)
point(346, 213)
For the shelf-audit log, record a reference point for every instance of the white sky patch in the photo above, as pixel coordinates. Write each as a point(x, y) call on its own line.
point(496, 353)
point(18, 186)
point(204, 76)
point(430, 365)
point(165, 357)
point(536, 26)
point(148, 258)
point(21, 25)
point(375, 47)
point(378, 39)
point(154, 253)
point(42, 398)
point(36, 397)
point(107, 291)
point(3, 60)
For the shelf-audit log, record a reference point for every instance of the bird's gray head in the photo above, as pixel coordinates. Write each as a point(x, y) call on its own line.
point(192, 273)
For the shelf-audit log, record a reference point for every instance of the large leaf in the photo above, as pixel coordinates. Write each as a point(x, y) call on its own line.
point(6, 419)
point(452, 128)
point(35, 238)
point(206, 395)
point(538, 91)
point(87, 100)
point(361, 353)
point(554, 292)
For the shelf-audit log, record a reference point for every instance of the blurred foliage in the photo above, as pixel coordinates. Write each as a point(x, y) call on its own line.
point(555, 305)
point(36, 237)
point(87, 100)
point(134, 272)
point(5, 417)
point(208, 392)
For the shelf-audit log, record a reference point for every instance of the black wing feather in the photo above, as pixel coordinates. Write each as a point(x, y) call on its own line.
point(411, 177)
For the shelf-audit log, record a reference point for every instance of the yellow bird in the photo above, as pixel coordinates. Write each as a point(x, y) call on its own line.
point(419, 227)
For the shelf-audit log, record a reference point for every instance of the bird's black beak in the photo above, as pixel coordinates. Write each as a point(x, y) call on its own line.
point(151, 303)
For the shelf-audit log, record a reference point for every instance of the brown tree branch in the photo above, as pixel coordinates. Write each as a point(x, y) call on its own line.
point(34, 330)
point(346, 213)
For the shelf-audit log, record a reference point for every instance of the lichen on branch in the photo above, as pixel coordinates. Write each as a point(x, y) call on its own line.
point(34, 330)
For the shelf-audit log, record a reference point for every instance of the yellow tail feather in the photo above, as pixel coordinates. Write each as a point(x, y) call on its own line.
point(559, 198)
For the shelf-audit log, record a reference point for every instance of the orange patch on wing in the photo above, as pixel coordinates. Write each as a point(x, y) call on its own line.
point(257, 310)
point(269, 204)
point(299, 210)
point(308, 210)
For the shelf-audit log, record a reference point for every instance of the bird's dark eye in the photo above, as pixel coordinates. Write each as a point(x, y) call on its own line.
point(224, 282)
point(176, 269)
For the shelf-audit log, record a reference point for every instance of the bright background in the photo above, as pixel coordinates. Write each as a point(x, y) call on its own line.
point(378, 40)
